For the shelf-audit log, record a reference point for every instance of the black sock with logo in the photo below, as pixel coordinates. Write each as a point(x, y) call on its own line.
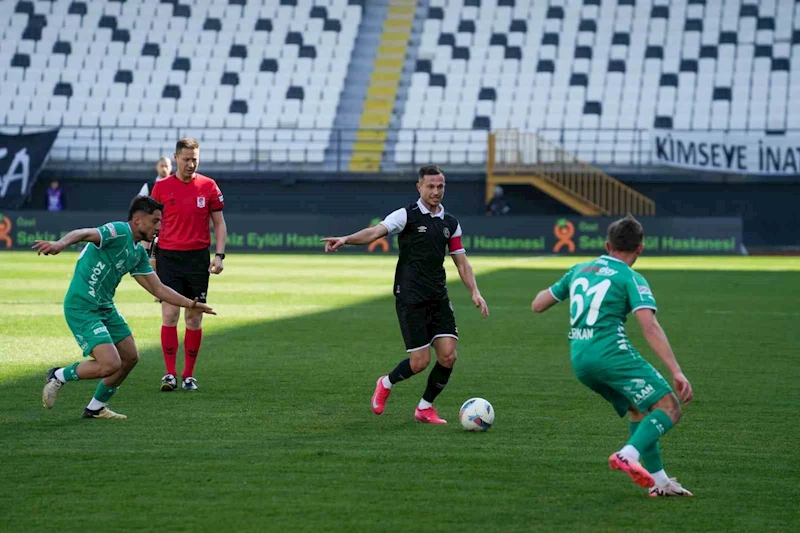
point(437, 380)
point(401, 371)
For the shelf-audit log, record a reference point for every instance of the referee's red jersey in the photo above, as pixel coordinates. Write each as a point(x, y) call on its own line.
point(186, 223)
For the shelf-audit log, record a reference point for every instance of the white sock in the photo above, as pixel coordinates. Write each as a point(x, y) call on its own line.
point(424, 404)
point(60, 375)
point(630, 452)
point(661, 478)
point(386, 383)
point(95, 404)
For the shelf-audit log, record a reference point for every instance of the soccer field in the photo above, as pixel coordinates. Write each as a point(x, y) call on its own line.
point(280, 436)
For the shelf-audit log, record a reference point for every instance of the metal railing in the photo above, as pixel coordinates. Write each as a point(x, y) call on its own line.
point(109, 147)
point(101, 148)
point(521, 156)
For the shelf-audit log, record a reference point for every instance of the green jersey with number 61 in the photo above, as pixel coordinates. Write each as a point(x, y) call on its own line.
point(601, 294)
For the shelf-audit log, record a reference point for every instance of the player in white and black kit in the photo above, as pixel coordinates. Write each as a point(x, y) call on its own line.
point(426, 233)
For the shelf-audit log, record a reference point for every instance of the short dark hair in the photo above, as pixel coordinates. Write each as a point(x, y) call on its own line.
point(186, 142)
point(429, 170)
point(144, 204)
point(625, 234)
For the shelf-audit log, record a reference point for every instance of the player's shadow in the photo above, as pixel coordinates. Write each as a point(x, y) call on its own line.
point(324, 363)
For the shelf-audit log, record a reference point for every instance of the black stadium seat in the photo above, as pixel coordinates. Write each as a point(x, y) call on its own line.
point(63, 89)
point(123, 76)
point(295, 93)
point(182, 64)
point(171, 91)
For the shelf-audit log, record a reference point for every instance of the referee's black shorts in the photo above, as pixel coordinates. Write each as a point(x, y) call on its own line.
point(184, 272)
point(421, 323)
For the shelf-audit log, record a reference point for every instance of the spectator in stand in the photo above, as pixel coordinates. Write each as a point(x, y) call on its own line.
point(56, 201)
point(497, 206)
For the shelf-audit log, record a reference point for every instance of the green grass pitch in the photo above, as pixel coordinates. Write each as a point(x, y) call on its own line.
point(280, 436)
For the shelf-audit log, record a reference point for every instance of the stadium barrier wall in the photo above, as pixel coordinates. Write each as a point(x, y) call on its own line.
point(769, 210)
point(301, 233)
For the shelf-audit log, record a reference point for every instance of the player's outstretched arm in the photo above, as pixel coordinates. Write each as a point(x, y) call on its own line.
point(468, 279)
point(365, 236)
point(75, 236)
point(658, 341)
point(153, 285)
point(543, 301)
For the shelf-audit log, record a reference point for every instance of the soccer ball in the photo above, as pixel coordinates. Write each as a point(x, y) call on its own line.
point(476, 415)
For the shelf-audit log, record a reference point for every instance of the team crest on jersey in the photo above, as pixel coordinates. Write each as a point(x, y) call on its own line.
point(201, 201)
point(446, 233)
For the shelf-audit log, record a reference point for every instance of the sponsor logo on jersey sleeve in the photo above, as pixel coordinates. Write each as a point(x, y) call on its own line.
point(644, 290)
point(112, 230)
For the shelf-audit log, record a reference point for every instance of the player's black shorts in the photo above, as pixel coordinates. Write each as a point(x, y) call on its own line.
point(422, 322)
point(184, 272)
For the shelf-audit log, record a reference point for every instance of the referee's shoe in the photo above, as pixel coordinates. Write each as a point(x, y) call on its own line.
point(169, 383)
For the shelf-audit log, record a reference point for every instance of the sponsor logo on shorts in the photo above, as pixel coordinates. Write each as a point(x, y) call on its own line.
point(82, 344)
point(101, 329)
point(643, 393)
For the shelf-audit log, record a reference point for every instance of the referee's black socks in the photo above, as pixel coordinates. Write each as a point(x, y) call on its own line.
point(437, 380)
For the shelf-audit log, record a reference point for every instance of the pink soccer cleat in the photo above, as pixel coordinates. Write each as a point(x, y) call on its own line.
point(429, 416)
point(380, 396)
point(633, 468)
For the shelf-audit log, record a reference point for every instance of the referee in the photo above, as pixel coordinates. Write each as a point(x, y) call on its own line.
point(191, 201)
point(425, 234)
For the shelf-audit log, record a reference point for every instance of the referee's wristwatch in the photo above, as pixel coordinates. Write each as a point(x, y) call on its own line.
point(221, 256)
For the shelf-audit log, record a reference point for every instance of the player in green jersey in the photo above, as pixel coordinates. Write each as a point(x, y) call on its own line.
point(601, 294)
point(113, 250)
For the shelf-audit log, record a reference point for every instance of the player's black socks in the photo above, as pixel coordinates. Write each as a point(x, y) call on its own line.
point(437, 380)
point(401, 371)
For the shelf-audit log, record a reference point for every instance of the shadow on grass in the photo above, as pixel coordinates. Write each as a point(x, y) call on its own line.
point(281, 431)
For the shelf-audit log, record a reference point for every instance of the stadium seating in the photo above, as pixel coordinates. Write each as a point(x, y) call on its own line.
point(261, 80)
point(178, 68)
point(596, 76)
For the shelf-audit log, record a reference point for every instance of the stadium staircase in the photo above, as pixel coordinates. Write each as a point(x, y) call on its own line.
point(383, 85)
point(527, 158)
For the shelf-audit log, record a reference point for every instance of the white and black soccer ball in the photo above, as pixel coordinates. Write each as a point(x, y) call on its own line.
point(476, 415)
